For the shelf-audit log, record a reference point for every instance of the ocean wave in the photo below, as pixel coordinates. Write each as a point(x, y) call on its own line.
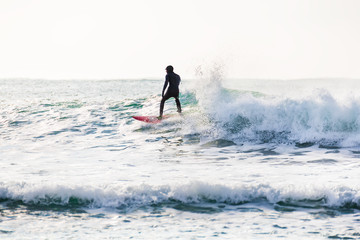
point(135, 197)
point(303, 121)
point(319, 117)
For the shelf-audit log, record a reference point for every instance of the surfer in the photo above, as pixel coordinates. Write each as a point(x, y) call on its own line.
point(173, 80)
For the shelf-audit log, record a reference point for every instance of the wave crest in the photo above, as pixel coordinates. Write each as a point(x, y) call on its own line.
point(134, 197)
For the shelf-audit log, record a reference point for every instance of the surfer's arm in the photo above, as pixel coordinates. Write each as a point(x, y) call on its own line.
point(165, 85)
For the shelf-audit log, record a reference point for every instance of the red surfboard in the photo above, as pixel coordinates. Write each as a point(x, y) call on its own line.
point(150, 119)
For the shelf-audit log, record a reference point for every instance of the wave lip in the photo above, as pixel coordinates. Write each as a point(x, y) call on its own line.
point(134, 197)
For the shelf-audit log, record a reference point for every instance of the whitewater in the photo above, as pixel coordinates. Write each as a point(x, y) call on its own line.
point(248, 159)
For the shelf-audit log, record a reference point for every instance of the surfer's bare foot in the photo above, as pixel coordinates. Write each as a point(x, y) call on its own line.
point(159, 117)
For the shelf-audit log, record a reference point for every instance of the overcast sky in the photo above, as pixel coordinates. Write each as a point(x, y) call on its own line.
point(111, 39)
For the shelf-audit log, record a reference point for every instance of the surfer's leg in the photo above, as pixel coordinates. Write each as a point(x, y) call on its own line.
point(162, 103)
point(162, 107)
point(178, 105)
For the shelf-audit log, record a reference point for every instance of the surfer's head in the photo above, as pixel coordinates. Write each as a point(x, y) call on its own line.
point(169, 69)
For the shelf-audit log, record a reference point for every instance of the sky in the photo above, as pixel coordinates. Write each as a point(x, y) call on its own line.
point(119, 39)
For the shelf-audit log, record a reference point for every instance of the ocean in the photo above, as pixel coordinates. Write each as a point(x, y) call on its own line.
point(248, 159)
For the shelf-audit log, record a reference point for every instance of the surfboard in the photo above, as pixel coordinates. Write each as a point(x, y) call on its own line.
point(150, 119)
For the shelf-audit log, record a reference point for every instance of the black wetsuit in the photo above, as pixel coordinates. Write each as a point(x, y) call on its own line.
point(173, 80)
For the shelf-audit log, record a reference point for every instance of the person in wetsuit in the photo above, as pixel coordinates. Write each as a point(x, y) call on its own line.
point(173, 80)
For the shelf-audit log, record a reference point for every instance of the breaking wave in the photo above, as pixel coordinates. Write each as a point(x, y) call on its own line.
point(318, 117)
point(134, 197)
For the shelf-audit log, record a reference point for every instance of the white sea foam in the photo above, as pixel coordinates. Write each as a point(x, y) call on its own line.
point(116, 196)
